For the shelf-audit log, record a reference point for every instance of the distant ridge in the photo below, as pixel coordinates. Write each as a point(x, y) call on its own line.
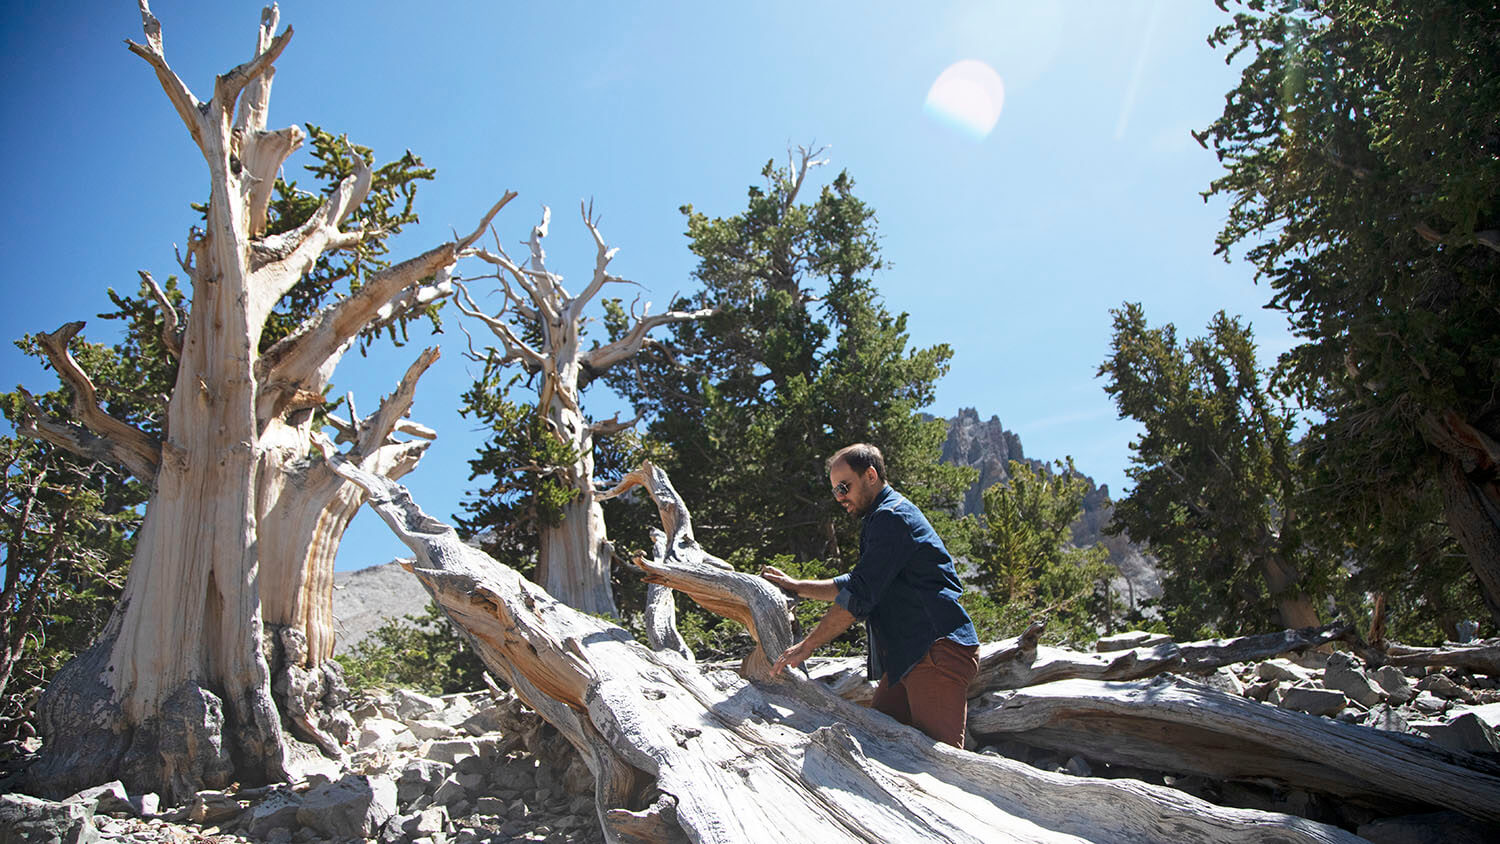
point(989, 447)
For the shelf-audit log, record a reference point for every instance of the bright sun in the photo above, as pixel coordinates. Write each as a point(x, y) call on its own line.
point(968, 97)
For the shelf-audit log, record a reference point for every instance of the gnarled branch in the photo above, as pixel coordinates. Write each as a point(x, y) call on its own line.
point(127, 445)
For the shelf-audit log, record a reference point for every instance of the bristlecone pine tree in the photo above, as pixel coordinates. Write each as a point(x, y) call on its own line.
point(540, 328)
point(240, 532)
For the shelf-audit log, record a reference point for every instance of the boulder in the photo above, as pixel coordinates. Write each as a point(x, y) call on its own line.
point(1345, 674)
point(354, 807)
point(1466, 733)
point(277, 811)
point(1441, 685)
point(427, 729)
point(1282, 669)
point(450, 750)
point(1224, 680)
point(1313, 701)
point(1395, 683)
point(107, 799)
point(26, 818)
point(411, 705)
point(379, 730)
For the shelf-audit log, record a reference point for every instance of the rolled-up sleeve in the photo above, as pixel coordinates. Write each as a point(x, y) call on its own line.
point(886, 549)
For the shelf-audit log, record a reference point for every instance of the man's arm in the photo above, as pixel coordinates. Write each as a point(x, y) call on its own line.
point(818, 590)
point(836, 621)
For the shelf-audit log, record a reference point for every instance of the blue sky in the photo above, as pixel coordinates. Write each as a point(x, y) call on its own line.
point(1011, 247)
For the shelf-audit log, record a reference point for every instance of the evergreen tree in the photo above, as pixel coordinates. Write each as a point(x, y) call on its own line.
point(1363, 168)
point(1025, 565)
point(1216, 480)
point(801, 359)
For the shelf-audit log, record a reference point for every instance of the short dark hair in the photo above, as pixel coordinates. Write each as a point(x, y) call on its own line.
point(858, 458)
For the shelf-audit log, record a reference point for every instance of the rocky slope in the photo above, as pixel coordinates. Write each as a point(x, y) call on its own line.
point(364, 600)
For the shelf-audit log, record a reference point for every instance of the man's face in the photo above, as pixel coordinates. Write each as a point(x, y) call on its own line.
point(861, 489)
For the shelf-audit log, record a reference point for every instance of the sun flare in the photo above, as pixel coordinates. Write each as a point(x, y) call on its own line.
point(967, 96)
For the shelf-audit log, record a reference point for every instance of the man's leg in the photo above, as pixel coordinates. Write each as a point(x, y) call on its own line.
point(891, 699)
point(937, 690)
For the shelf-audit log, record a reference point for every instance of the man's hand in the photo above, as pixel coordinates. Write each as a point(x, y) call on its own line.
point(780, 578)
point(793, 656)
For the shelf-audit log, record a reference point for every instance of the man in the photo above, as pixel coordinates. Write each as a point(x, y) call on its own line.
point(923, 647)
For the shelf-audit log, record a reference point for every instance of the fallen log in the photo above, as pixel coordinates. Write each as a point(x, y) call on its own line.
point(1476, 658)
point(1173, 725)
point(712, 756)
point(1021, 662)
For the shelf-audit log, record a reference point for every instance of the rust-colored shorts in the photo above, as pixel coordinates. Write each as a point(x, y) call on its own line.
point(934, 695)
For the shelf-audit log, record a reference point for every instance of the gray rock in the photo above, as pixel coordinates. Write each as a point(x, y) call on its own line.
point(419, 777)
point(1261, 691)
point(379, 730)
point(449, 792)
point(1282, 669)
point(427, 822)
point(353, 807)
point(1385, 717)
point(1430, 703)
point(1345, 674)
point(1466, 733)
point(427, 729)
point(1313, 701)
point(1444, 687)
point(485, 720)
point(450, 750)
point(490, 806)
point(412, 705)
point(1225, 681)
point(211, 807)
point(107, 799)
point(278, 811)
point(24, 818)
point(1395, 684)
point(1078, 767)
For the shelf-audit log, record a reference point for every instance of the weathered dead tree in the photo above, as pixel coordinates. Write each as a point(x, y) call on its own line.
point(239, 537)
point(1168, 724)
point(713, 756)
point(574, 555)
point(1021, 662)
point(1478, 657)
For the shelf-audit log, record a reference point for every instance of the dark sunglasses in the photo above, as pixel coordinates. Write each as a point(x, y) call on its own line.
point(841, 490)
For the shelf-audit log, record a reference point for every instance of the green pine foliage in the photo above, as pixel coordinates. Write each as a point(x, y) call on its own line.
point(414, 652)
point(1024, 564)
point(801, 359)
point(1216, 482)
point(1362, 166)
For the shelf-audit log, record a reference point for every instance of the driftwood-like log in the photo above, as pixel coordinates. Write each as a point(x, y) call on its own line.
point(1477, 658)
point(708, 580)
point(721, 758)
point(1021, 662)
point(1169, 724)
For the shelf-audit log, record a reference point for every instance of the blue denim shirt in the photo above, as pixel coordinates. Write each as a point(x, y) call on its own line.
point(904, 587)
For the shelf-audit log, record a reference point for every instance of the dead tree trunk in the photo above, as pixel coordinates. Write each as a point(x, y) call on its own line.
point(1224, 736)
point(677, 752)
point(176, 694)
point(1469, 477)
point(574, 557)
point(1021, 662)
